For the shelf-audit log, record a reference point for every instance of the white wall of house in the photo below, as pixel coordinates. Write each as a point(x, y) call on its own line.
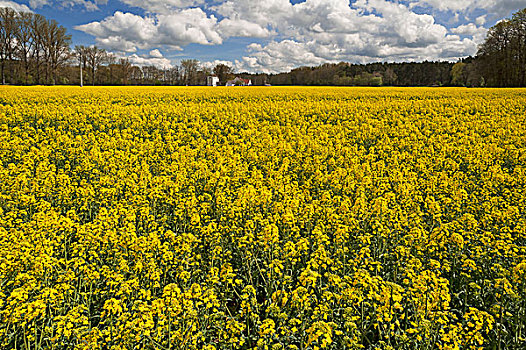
point(212, 81)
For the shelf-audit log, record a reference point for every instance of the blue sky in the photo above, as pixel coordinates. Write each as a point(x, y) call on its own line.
point(277, 35)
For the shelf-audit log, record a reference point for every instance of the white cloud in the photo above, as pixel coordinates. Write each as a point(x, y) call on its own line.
point(116, 43)
point(173, 30)
point(122, 31)
point(188, 26)
point(159, 62)
point(13, 5)
point(468, 29)
point(411, 28)
point(241, 27)
point(267, 12)
point(155, 53)
point(477, 33)
point(154, 58)
point(280, 57)
point(212, 64)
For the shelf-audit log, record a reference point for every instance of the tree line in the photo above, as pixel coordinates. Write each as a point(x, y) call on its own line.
point(35, 50)
point(372, 74)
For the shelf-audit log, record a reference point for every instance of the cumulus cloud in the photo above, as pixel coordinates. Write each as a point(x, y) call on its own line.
point(477, 33)
point(481, 20)
point(187, 27)
point(122, 31)
point(13, 5)
point(263, 13)
point(174, 30)
point(141, 61)
point(468, 29)
point(410, 28)
point(281, 56)
point(154, 58)
point(155, 53)
point(241, 28)
point(212, 64)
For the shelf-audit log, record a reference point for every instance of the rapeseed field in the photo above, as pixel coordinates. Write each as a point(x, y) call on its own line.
point(262, 218)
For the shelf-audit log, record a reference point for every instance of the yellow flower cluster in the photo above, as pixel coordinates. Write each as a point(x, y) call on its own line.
point(282, 218)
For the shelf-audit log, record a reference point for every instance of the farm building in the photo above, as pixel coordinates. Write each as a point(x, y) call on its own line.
point(239, 82)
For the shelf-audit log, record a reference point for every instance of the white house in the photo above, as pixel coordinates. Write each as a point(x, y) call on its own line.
point(212, 80)
point(239, 82)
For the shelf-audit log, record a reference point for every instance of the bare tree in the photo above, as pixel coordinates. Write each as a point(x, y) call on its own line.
point(24, 41)
point(39, 28)
point(174, 75)
point(8, 26)
point(125, 67)
point(136, 74)
point(223, 72)
point(58, 43)
point(202, 74)
point(111, 60)
point(94, 58)
point(190, 68)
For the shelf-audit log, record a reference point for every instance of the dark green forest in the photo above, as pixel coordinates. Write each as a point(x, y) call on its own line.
point(35, 50)
point(373, 74)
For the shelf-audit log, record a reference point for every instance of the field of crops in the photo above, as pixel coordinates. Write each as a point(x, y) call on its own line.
point(269, 218)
